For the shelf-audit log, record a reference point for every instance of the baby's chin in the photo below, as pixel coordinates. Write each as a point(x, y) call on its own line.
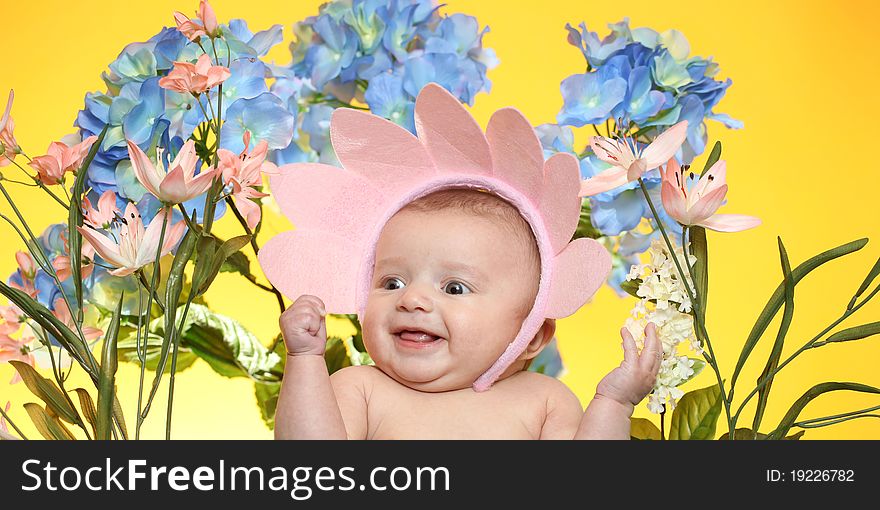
point(429, 381)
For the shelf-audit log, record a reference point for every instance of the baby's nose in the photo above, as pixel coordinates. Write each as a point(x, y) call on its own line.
point(415, 298)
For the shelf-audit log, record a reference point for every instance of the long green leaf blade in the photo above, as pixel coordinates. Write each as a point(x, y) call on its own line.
point(850, 334)
point(47, 391)
point(791, 416)
point(776, 300)
point(776, 352)
point(107, 384)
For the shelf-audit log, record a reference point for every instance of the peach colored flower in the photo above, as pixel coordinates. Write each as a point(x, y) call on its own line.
point(192, 30)
point(629, 163)
point(177, 185)
point(61, 159)
point(244, 171)
point(9, 146)
point(697, 206)
point(11, 317)
point(194, 79)
point(136, 246)
point(18, 350)
point(104, 214)
point(62, 313)
point(62, 262)
point(28, 269)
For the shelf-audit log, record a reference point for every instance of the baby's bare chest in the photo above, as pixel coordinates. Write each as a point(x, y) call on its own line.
point(407, 414)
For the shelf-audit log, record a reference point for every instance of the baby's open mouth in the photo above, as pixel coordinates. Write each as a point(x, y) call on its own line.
point(416, 338)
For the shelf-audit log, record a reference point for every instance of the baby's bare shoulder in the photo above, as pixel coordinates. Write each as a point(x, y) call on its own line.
point(359, 375)
point(562, 409)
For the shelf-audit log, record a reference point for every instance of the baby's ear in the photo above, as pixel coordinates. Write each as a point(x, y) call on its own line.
point(540, 340)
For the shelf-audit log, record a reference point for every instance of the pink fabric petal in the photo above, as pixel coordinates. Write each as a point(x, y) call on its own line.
point(517, 156)
point(316, 263)
point(187, 158)
point(323, 197)
point(560, 205)
point(450, 134)
point(603, 181)
point(730, 222)
point(665, 145)
point(584, 261)
point(5, 117)
point(706, 206)
point(380, 150)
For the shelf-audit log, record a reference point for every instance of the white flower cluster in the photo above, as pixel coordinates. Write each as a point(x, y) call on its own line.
point(661, 283)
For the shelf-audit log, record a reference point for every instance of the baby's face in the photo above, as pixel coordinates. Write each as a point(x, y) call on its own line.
point(449, 292)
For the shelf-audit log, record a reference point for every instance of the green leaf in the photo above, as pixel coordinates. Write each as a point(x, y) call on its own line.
point(75, 219)
point(776, 352)
point(696, 414)
point(213, 261)
point(267, 401)
point(699, 248)
point(46, 319)
point(864, 286)
point(127, 348)
point(850, 334)
point(236, 263)
point(631, 287)
point(47, 391)
point(229, 347)
point(776, 300)
point(791, 416)
point(107, 381)
point(88, 409)
point(48, 426)
point(698, 367)
point(714, 156)
point(641, 428)
point(335, 355)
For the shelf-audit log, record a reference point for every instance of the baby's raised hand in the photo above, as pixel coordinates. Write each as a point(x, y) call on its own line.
point(634, 378)
point(303, 326)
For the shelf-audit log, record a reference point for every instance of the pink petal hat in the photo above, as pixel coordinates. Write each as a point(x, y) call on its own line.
point(340, 212)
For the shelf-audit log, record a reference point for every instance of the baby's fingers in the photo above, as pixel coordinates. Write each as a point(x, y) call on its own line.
point(652, 354)
point(630, 351)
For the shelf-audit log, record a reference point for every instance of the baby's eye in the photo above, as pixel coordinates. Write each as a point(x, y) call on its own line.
point(456, 288)
point(393, 284)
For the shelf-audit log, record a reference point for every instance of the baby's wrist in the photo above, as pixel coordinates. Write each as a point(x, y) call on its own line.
point(626, 407)
point(294, 354)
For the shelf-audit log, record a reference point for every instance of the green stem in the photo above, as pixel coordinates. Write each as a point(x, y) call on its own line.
point(156, 270)
point(174, 368)
point(39, 183)
point(143, 281)
point(9, 421)
point(694, 304)
point(832, 422)
point(843, 415)
point(256, 248)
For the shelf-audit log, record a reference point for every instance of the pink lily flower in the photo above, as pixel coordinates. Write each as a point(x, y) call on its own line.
point(9, 146)
point(136, 246)
point(104, 214)
point(192, 30)
point(194, 79)
point(244, 171)
point(629, 163)
point(12, 317)
point(697, 206)
point(61, 159)
point(177, 185)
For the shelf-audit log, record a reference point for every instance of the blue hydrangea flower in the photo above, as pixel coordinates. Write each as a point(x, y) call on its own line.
point(265, 116)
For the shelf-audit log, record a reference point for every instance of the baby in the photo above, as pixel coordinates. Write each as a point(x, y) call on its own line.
point(456, 273)
point(454, 247)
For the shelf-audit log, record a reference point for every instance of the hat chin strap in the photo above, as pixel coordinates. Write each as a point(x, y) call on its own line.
point(529, 212)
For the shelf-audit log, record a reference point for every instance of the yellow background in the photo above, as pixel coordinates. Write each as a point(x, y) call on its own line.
point(804, 78)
